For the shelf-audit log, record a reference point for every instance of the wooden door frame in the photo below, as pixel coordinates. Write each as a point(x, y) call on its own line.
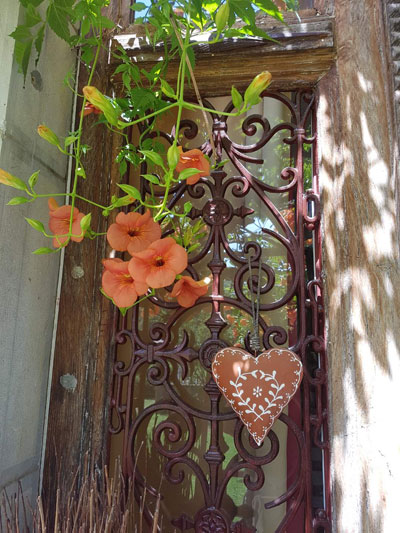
point(78, 417)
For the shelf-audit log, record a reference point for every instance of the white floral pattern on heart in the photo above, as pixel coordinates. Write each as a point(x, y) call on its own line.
point(271, 380)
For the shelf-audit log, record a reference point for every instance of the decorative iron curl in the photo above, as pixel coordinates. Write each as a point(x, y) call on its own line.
point(173, 433)
point(158, 372)
point(278, 335)
point(155, 408)
point(160, 334)
point(240, 188)
point(258, 460)
point(252, 485)
point(180, 475)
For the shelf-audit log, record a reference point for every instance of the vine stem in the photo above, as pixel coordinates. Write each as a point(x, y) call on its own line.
point(68, 194)
point(150, 115)
point(78, 144)
point(196, 90)
point(181, 104)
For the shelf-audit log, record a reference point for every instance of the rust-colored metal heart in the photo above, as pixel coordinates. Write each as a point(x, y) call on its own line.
point(259, 388)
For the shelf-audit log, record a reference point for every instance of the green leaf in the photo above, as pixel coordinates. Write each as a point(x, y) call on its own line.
point(131, 191)
point(23, 47)
point(39, 42)
point(57, 18)
point(36, 224)
point(21, 33)
point(41, 251)
point(33, 179)
point(14, 182)
point(34, 3)
point(69, 140)
point(151, 178)
point(138, 6)
point(121, 202)
point(187, 207)
point(126, 80)
point(18, 200)
point(80, 171)
point(85, 26)
point(270, 8)
point(87, 54)
point(167, 89)
point(105, 22)
point(32, 16)
point(237, 98)
point(85, 222)
point(121, 68)
point(154, 157)
point(188, 172)
point(193, 247)
point(244, 10)
point(123, 167)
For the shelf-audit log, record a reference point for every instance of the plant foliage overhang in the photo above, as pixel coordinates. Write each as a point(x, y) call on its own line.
point(159, 85)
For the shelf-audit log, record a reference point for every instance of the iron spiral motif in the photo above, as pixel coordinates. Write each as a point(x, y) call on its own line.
point(172, 422)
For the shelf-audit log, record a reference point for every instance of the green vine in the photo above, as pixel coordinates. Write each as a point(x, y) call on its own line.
point(147, 96)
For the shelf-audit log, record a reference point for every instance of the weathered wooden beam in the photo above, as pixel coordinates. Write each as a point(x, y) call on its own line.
point(304, 54)
point(82, 370)
point(360, 186)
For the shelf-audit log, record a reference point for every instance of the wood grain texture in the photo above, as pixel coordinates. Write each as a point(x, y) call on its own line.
point(359, 182)
point(78, 418)
point(304, 55)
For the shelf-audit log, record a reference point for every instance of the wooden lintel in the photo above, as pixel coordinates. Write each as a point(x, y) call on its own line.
point(304, 54)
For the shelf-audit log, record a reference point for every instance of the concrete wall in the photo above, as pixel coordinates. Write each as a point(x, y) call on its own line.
point(28, 283)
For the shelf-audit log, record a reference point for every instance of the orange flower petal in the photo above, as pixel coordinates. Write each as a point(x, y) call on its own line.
point(187, 291)
point(76, 228)
point(117, 237)
point(52, 203)
point(160, 277)
point(123, 295)
point(118, 284)
point(116, 265)
point(159, 264)
point(133, 232)
point(59, 222)
point(192, 180)
point(176, 258)
point(193, 159)
point(141, 288)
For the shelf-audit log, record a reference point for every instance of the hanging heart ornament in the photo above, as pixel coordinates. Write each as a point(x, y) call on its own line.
point(258, 389)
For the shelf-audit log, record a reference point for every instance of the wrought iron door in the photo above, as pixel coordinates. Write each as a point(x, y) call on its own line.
point(169, 422)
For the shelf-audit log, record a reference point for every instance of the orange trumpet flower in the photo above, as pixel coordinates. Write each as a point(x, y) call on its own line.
point(193, 159)
point(133, 232)
point(118, 284)
point(59, 223)
point(159, 265)
point(187, 291)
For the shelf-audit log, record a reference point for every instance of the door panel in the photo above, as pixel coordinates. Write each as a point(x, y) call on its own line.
point(174, 431)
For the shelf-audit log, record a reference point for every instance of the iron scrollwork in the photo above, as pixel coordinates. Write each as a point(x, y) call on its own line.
point(173, 437)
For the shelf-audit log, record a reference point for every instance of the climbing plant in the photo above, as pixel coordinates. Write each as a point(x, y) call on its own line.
point(154, 261)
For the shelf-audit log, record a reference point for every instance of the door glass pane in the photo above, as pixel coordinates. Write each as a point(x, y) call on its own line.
point(174, 431)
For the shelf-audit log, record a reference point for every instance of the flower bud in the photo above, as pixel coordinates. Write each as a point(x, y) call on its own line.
point(12, 181)
point(173, 156)
point(222, 16)
point(256, 87)
point(100, 101)
point(48, 135)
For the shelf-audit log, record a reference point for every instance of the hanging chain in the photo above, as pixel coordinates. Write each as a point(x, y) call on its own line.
point(255, 343)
